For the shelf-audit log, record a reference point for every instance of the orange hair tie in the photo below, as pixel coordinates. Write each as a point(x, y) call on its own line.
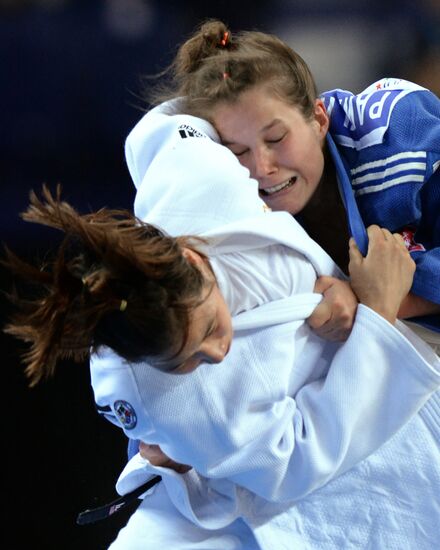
point(224, 40)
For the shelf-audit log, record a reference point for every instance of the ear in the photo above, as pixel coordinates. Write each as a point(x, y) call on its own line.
point(201, 263)
point(322, 118)
point(192, 256)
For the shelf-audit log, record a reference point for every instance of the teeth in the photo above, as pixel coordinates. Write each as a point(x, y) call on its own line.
point(275, 188)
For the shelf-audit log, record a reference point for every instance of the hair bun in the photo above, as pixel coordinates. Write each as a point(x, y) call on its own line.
point(211, 38)
point(216, 34)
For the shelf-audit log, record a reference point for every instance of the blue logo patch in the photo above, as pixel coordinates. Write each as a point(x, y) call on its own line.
point(126, 414)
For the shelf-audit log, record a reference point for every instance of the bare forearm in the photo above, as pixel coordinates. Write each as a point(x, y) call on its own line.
point(415, 306)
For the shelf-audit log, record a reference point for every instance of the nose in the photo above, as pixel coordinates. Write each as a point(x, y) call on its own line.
point(264, 163)
point(214, 350)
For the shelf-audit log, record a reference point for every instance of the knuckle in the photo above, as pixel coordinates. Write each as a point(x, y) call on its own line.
point(346, 318)
point(315, 323)
point(340, 307)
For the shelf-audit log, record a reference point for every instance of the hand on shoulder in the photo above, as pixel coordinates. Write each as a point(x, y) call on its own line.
point(382, 279)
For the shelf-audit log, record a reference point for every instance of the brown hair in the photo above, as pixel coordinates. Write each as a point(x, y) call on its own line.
point(114, 281)
point(214, 66)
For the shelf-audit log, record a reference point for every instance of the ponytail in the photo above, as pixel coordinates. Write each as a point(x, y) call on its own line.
point(114, 281)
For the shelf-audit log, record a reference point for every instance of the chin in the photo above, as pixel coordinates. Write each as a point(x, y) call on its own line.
point(284, 204)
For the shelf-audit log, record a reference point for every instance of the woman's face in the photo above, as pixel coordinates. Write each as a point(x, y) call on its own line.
point(282, 150)
point(209, 331)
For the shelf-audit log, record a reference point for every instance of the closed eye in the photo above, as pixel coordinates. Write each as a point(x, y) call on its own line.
point(239, 153)
point(235, 148)
point(276, 140)
point(212, 327)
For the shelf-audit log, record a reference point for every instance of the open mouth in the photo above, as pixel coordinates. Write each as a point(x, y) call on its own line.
point(279, 187)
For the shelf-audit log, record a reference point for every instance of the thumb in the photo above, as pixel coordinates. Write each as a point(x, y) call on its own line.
point(320, 315)
point(353, 250)
point(323, 283)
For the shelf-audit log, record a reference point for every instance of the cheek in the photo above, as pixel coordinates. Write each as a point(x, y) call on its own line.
point(245, 161)
point(295, 149)
point(190, 365)
point(225, 320)
point(314, 158)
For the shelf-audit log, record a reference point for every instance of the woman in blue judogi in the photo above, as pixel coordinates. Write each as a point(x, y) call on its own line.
point(336, 161)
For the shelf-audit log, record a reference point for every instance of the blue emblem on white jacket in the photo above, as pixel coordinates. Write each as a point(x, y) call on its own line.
point(125, 414)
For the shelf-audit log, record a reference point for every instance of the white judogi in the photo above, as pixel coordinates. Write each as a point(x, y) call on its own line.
point(285, 412)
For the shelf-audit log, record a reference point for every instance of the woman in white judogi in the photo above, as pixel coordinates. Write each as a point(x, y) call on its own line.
point(285, 412)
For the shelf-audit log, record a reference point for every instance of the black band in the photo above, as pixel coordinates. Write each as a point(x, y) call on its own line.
point(103, 512)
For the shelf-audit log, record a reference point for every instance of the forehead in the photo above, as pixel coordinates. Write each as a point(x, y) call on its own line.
point(256, 110)
point(252, 99)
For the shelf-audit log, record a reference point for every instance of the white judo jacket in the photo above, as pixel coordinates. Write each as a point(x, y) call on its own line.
point(285, 412)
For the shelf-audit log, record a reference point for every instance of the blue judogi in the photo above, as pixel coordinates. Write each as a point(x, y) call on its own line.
point(386, 146)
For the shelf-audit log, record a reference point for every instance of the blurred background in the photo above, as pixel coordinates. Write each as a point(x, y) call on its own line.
point(70, 75)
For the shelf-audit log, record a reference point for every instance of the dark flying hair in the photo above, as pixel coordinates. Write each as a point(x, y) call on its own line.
point(114, 281)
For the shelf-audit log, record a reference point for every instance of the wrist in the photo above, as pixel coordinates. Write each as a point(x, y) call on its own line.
point(415, 306)
point(388, 312)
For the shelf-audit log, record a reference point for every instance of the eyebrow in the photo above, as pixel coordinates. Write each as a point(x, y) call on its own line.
point(274, 122)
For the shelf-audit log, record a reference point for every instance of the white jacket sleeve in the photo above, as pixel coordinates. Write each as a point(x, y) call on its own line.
point(285, 449)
